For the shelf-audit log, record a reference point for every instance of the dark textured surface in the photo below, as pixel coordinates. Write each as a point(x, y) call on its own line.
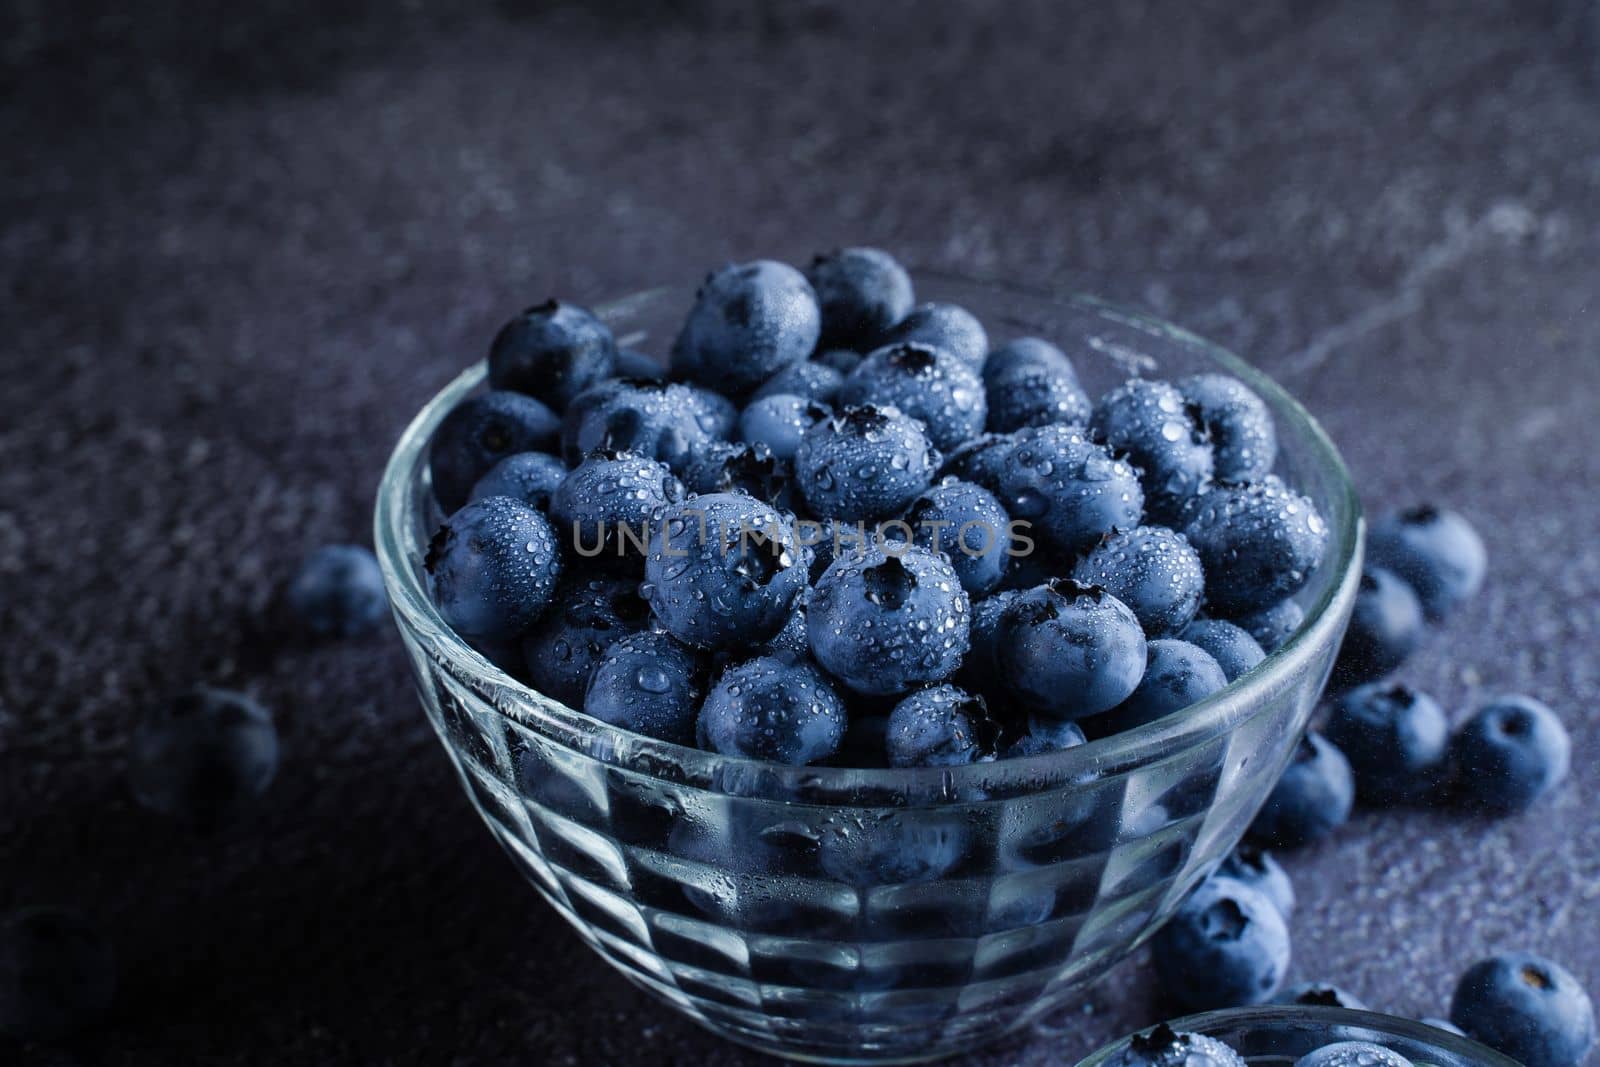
point(240, 250)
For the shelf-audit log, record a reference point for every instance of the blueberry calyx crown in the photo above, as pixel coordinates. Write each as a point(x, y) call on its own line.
point(1225, 920)
point(1154, 1041)
point(1421, 515)
point(1072, 589)
point(888, 584)
point(1534, 978)
point(861, 418)
point(913, 357)
point(1320, 996)
point(549, 307)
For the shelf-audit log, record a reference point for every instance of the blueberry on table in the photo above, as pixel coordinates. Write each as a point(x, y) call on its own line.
point(738, 467)
point(1386, 626)
point(664, 421)
point(1323, 995)
point(1352, 1054)
point(776, 709)
point(1244, 441)
point(1530, 1008)
point(1071, 491)
point(553, 352)
point(602, 510)
point(480, 432)
point(1510, 753)
point(1258, 543)
point(493, 568)
point(1030, 382)
point(1071, 650)
point(1395, 739)
point(861, 292)
point(1435, 551)
point(205, 758)
point(1152, 570)
point(531, 477)
point(883, 623)
point(723, 571)
point(1159, 432)
point(1177, 675)
point(946, 326)
point(811, 379)
point(1272, 626)
point(967, 524)
point(1165, 1047)
point(934, 386)
point(650, 684)
point(1227, 947)
point(749, 321)
point(864, 463)
point(780, 421)
point(58, 975)
point(590, 613)
point(1235, 651)
point(1311, 800)
point(1257, 868)
point(632, 364)
point(941, 726)
point(338, 592)
point(980, 460)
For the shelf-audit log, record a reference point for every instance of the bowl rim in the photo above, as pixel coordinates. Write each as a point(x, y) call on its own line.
point(1102, 758)
point(1320, 1015)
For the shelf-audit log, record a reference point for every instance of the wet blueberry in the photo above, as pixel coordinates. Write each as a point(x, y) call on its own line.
point(1386, 626)
point(1530, 1008)
point(929, 384)
point(946, 326)
point(1227, 947)
point(552, 352)
point(737, 467)
point(602, 510)
point(658, 420)
point(1235, 651)
point(1311, 800)
point(1395, 739)
point(58, 975)
point(980, 670)
point(480, 432)
point(1435, 551)
point(590, 613)
point(980, 460)
point(1243, 439)
point(649, 684)
point(1165, 1047)
point(531, 477)
point(811, 379)
point(493, 567)
point(1045, 735)
point(1029, 382)
point(864, 463)
point(205, 758)
point(1159, 432)
point(941, 726)
point(1070, 490)
point(1513, 751)
point(1352, 1054)
point(1178, 675)
point(1070, 650)
point(749, 321)
point(1152, 570)
point(780, 421)
point(862, 292)
point(338, 592)
point(1272, 626)
point(775, 709)
point(968, 525)
point(1258, 544)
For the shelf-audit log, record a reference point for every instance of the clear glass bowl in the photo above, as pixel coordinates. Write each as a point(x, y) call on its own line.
point(754, 898)
point(1283, 1034)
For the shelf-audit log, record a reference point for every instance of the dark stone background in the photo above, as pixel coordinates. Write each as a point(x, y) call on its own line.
point(239, 250)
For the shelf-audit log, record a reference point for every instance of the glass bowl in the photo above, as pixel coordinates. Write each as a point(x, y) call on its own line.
point(1282, 1035)
point(874, 916)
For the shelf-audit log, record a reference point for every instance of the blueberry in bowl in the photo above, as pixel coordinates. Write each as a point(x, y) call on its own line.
point(831, 796)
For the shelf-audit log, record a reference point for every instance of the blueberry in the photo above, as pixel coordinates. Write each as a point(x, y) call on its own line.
point(1258, 869)
point(898, 847)
point(1512, 752)
point(1435, 551)
point(980, 460)
point(1527, 1007)
point(737, 467)
point(883, 623)
point(552, 352)
point(58, 975)
point(946, 326)
point(941, 726)
point(862, 292)
point(1160, 433)
point(1235, 651)
point(810, 379)
point(717, 415)
point(649, 684)
point(1227, 947)
point(1272, 626)
point(864, 463)
point(603, 507)
point(1150, 569)
point(1258, 544)
point(658, 420)
point(774, 709)
point(480, 432)
point(1321, 995)
point(1165, 1047)
point(780, 421)
point(927, 383)
point(1352, 1054)
point(1030, 382)
point(1178, 675)
point(493, 567)
point(793, 640)
point(843, 360)
point(749, 321)
point(1311, 800)
point(969, 526)
point(1044, 735)
point(590, 614)
point(980, 669)
point(723, 571)
point(205, 758)
point(1071, 490)
point(1386, 626)
point(1071, 650)
point(1244, 441)
point(633, 364)
point(531, 477)
point(1395, 739)
point(338, 591)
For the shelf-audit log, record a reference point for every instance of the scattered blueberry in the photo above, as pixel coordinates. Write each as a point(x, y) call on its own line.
point(1352, 1054)
point(737, 467)
point(1272, 626)
point(931, 385)
point(1435, 551)
point(1386, 626)
point(531, 477)
point(810, 379)
point(1244, 441)
point(883, 623)
point(493, 567)
point(552, 352)
point(862, 293)
point(1158, 430)
point(1227, 947)
point(588, 616)
point(1235, 651)
point(864, 463)
point(647, 683)
point(1152, 570)
point(1165, 1047)
point(338, 591)
point(941, 726)
point(1395, 739)
point(1513, 751)
point(58, 975)
point(480, 432)
point(1527, 1007)
point(1256, 868)
point(1070, 650)
point(205, 758)
point(946, 326)
point(603, 508)
point(749, 321)
point(1321, 995)
point(968, 525)
point(1311, 800)
point(1071, 490)
point(658, 420)
point(1177, 675)
point(633, 364)
point(780, 421)
point(779, 710)
point(1030, 382)
point(1258, 544)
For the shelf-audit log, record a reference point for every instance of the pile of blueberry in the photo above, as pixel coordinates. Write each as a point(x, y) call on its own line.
point(840, 515)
